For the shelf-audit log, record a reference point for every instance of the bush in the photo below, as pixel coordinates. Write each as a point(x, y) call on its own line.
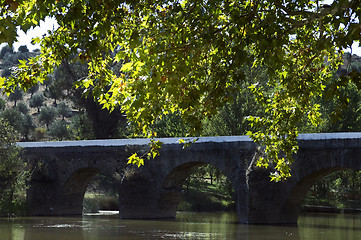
point(40, 133)
point(12, 172)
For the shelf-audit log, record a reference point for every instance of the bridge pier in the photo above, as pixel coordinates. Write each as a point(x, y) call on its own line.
point(267, 201)
point(49, 195)
point(142, 196)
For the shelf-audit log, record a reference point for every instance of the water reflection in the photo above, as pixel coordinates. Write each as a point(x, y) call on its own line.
point(330, 226)
point(187, 226)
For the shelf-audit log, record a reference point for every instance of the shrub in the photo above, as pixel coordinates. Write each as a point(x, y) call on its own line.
point(40, 133)
point(12, 172)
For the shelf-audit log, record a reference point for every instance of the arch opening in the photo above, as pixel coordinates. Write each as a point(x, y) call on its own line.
point(74, 190)
point(336, 189)
point(89, 190)
point(102, 194)
point(202, 188)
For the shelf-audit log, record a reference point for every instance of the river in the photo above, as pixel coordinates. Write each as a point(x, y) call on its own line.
point(188, 225)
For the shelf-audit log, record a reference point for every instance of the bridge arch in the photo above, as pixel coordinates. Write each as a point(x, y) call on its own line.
point(174, 180)
point(311, 165)
point(75, 187)
point(299, 191)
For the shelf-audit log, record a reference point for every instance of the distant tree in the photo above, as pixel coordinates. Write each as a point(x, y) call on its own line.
point(4, 50)
point(64, 110)
point(23, 49)
point(6, 64)
point(59, 130)
point(15, 57)
point(23, 108)
point(2, 104)
point(346, 116)
point(55, 92)
point(47, 115)
point(81, 127)
point(104, 123)
point(28, 126)
point(67, 73)
point(6, 72)
point(170, 125)
point(33, 90)
point(15, 118)
point(16, 96)
point(49, 79)
point(37, 101)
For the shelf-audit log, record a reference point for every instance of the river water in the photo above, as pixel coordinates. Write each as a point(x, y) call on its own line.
point(188, 225)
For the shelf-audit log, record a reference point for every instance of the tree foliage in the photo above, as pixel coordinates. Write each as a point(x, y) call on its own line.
point(14, 117)
point(33, 90)
point(64, 110)
point(4, 50)
point(187, 56)
point(23, 108)
point(47, 115)
point(16, 96)
point(23, 49)
point(340, 189)
point(2, 104)
point(105, 123)
point(60, 130)
point(12, 173)
point(37, 101)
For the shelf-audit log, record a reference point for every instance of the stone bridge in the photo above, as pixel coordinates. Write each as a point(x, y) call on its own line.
point(62, 171)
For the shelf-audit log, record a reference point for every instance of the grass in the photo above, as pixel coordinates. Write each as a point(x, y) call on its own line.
point(332, 202)
point(93, 202)
point(199, 195)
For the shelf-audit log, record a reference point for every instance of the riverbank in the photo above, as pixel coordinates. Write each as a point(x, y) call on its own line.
point(324, 209)
point(203, 196)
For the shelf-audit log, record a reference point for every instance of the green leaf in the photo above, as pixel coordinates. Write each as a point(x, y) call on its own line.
point(127, 67)
point(135, 160)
